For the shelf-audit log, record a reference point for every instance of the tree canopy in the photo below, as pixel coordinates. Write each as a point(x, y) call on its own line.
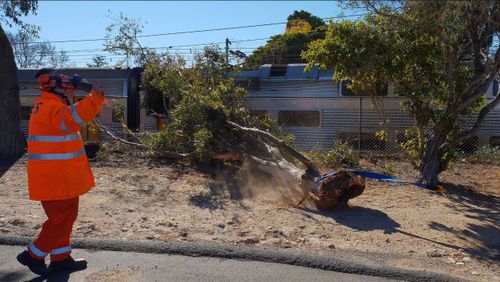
point(438, 55)
point(301, 29)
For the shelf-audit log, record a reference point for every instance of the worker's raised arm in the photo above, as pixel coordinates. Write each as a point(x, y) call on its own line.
point(70, 118)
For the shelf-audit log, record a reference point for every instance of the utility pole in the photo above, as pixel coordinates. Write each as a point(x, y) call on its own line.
point(227, 50)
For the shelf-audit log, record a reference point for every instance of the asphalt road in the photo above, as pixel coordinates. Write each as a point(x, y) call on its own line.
point(132, 266)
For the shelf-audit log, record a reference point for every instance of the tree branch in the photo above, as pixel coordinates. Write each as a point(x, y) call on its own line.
point(482, 115)
point(311, 167)
point(480, 84)
point(107, 131)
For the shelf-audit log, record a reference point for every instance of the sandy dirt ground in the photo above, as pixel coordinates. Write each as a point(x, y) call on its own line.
point(456, 232)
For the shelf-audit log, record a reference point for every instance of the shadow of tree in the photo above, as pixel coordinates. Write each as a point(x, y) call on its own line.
point(485, 209)
point(486, 236)
point(361, 219)
point(5, 166)
point(215, 198)
point(366, 219)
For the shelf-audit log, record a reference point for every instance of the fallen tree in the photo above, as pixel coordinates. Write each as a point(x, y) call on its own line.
point(327, 192)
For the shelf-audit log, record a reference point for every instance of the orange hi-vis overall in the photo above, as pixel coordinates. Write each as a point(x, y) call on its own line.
point(58, 169)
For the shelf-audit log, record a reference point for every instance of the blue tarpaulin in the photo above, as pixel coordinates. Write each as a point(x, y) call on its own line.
point(378, 176)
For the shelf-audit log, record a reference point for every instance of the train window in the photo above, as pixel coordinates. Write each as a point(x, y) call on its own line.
point(299, 118)
point(381, 90)
point(495, 87)
point(278, 70)
point(368, 140)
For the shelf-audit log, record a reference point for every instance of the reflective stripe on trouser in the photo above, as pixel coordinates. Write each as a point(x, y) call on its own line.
point(35, 252)
point(54, 238)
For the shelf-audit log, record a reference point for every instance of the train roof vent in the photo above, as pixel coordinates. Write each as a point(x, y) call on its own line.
point(277, 70)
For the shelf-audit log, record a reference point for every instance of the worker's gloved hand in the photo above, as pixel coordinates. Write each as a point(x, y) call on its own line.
point(80, 84)
point(98, 88)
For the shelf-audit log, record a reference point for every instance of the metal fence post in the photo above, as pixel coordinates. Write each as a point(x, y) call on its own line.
point(360, 122)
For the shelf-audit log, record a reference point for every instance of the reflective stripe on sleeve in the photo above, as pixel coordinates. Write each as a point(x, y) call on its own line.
point(65, 156)
point(48, 138)
point(36, 251)
point(61, 250)
point(63, 126)
point(75, 115)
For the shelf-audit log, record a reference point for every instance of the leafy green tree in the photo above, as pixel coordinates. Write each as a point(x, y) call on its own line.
point(301, 29)
point(12, 142)
point(299, 16)
point(439, 55)
point(198, 101)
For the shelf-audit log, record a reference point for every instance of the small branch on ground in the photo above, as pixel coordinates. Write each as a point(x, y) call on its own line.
point(107, 131)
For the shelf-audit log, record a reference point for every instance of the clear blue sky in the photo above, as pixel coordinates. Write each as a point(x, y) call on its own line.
point(64, 20)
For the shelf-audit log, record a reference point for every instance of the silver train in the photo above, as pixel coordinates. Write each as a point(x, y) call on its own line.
point(310, 105)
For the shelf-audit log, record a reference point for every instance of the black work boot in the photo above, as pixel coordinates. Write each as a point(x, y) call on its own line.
point(36, 266)
point(68, 264)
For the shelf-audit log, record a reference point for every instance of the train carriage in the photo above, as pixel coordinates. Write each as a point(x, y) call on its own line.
point(310, 105)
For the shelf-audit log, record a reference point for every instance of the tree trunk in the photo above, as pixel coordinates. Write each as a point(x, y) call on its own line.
point(12, 141)
point(430, 166)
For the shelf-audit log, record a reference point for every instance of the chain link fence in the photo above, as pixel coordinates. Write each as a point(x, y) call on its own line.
point(368, 124)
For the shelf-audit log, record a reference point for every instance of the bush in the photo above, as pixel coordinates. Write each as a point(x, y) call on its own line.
point(342, 154)
point(388, 169)
point(487, 154)
point(166, 140)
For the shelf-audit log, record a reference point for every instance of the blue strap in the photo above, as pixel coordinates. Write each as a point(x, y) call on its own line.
point(317, 182)
point(365, 174)
point(61, 250)
point(75, 115)
point(48, 138)
point(36, 251)
point(47, 157)
point(377, 176)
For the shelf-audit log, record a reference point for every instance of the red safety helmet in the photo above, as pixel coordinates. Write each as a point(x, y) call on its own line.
point(49, 82)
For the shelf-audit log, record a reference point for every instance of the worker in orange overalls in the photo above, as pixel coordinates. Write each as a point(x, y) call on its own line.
point(58, 169)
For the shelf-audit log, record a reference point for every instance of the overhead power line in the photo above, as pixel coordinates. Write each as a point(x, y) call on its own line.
point(172, 47)
point(187, 31)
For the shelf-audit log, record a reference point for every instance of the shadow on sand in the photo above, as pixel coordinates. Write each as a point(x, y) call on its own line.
point(484, 235)
point(366, 219)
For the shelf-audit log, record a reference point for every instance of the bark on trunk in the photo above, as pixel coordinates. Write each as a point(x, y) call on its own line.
point(12, 141)
point(430, 166)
